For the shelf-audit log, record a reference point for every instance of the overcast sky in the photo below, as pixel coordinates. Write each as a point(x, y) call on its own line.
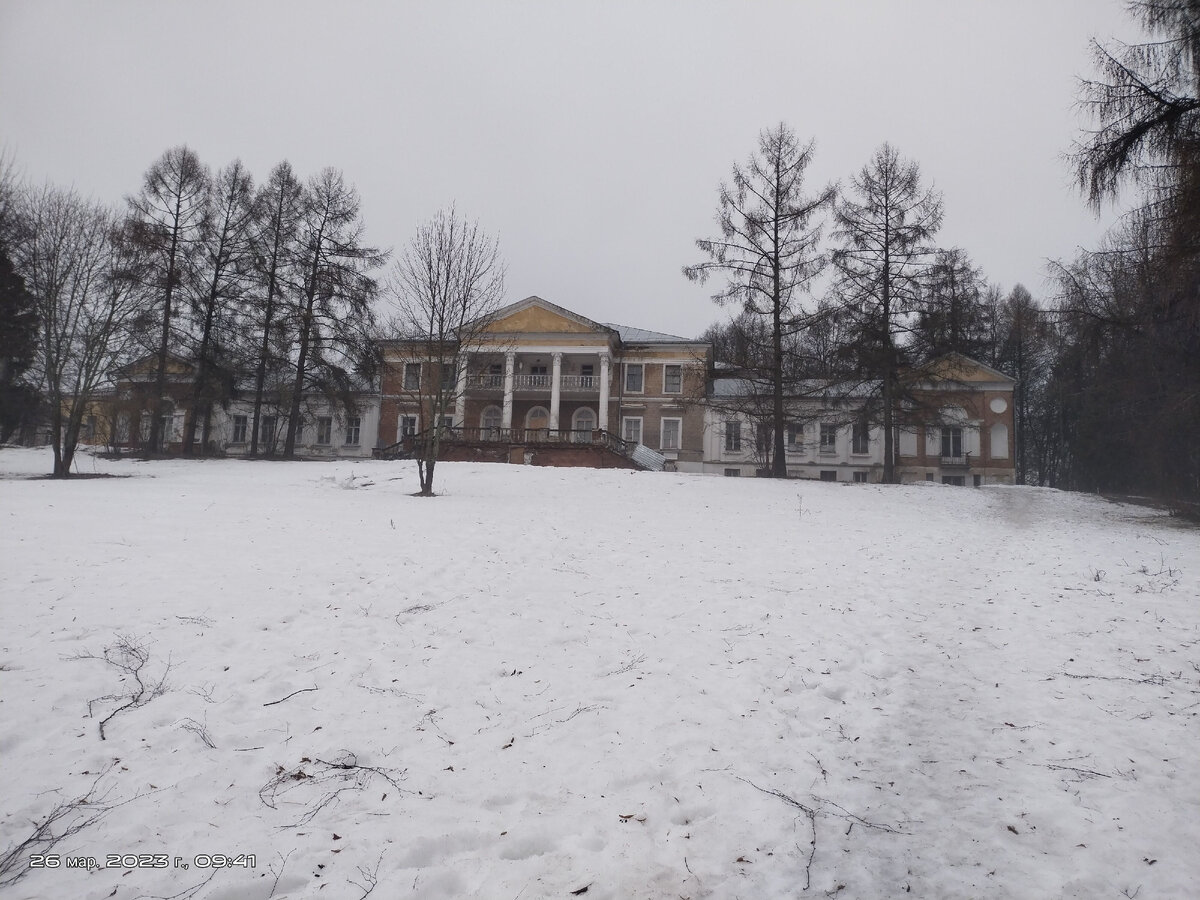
point(590, 137)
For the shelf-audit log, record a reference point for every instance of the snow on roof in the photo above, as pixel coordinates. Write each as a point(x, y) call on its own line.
point(630, 335)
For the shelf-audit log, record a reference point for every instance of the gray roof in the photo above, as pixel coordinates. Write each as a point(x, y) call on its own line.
point(630, 335)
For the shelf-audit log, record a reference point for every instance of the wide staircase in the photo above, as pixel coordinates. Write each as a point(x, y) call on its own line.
point(559, 447)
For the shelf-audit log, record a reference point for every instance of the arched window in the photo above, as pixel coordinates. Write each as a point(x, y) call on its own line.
point(490, 422)
point(583, 423)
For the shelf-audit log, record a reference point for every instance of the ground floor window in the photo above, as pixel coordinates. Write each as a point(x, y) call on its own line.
point(631, 429)
point(353, 431)
point(829, 475)
point(733, 436)
point(956, 480)
point(240, 424)
point(583, 423)
point(861, 439)
point(490, 421)
point(324, 429)
point(671, 430)
point(733, 473)
point(828, 439)
point(862, 477)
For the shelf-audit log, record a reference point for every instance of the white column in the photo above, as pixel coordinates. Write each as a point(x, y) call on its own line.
point(555, 391)
point(460, 398)
point(605, 378)
point(510, 364)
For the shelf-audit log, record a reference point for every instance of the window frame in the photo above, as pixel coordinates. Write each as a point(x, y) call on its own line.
point(641, 378)
point(324, 431)
point(412, 376)
point(828, 447)
point(625, 420)
point(241, 425)
point(732, 433)
point(353, 430)
point(662, 432)
point(678, 377)
point(860, 430)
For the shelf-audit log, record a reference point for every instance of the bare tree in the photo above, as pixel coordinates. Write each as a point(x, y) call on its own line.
point(166, 221)
point(446, 286)
point(884, 227)
point(278, 207)
point(224, 263)
point(333, 316)
point(768, 253)
point(79, 268)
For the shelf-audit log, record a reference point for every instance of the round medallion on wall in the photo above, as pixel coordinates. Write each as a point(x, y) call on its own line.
point(998, 404)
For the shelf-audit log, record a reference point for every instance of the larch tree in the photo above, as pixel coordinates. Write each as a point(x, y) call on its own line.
point(445, 288)
point(223, 269)
point(884, 227)
point(167, 221)
point(332, 316)
point(279, 205)
point(768, 253)
point(953, 313)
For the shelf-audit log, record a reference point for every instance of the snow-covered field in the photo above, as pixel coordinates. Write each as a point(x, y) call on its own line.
point(609, 684)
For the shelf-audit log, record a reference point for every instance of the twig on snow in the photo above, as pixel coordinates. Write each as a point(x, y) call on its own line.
point(289, 696)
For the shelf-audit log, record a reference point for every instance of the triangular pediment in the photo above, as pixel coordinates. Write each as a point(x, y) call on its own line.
point(963, 369)
point(538, 316)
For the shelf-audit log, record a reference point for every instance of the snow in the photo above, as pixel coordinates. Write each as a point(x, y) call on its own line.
point(638, 683)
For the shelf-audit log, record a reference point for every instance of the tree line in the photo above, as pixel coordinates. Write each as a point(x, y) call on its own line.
point(275, 281)
point(1107, 368)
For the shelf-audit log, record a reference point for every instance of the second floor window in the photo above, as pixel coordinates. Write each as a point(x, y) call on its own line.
point(412, 376)
point(672, 379)
point(952, 442)
point(633, 378)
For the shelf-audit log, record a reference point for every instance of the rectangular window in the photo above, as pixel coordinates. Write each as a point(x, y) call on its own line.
point(671, 429)
point(861, 477)
point(956, 480)
point(631, 429)
point(353, 430)
point(733, 436)
point(762, 439)
point(633, 378)
point(861, 441)
point(412, 376)
point(240, 428)
point(733, 473)
point(449, 376)
point(408, 426)
point(828, 440)
point(952, 444)
point(324, 429)
point(266, 430)
point(829, 475)
point(538, 377)
point(89, 430)
point(672, 379)
point(795, 435)
point(447, 423)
